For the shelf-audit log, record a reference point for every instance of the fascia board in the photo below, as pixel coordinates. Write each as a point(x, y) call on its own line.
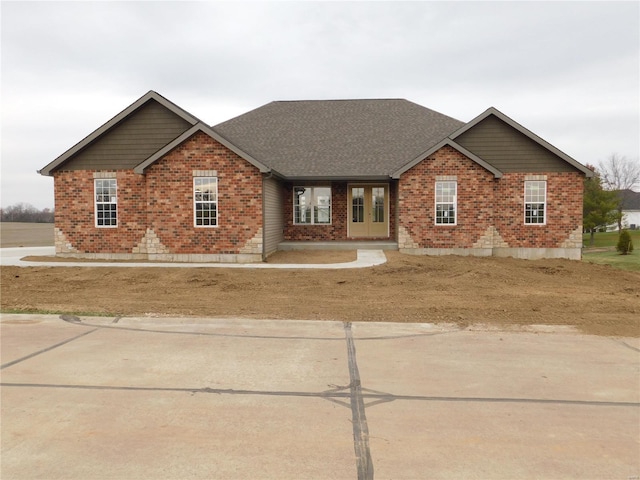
point(528, 133)
point(199, 127)
point(150, 95)
point(447, 141)
point(337, 178)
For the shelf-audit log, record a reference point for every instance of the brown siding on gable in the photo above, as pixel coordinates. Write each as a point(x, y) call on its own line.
point(509, 150)
point(132, 141)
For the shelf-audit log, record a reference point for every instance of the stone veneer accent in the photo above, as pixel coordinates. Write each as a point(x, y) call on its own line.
point(405, 242)
point(490, 239)
point(62, 244)
point(574, 240)
point(150, 244)
point(253, 245)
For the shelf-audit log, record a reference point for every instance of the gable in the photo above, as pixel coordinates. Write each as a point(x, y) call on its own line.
point(131, 141)
point(138, 129)
point(186, 135)
point(508, 149)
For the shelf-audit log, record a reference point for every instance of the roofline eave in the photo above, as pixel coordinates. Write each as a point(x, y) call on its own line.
point(336, 178)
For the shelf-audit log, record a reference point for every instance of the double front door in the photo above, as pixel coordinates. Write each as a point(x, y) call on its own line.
point(368, 210)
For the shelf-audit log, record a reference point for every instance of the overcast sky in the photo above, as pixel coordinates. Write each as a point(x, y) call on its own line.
point(568, 71)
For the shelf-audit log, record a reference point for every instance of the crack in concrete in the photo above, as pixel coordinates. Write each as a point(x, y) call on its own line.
point(358, 413)
point(328, 395)
point(44, 350)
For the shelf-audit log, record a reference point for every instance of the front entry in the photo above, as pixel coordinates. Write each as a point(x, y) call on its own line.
point(368, 210)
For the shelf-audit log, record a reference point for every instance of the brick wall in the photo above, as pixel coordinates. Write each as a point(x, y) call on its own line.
point(416, 202)
point(564, 210)
point(170, 198)
point(487, 207)
point(157, 208)
point(75, 218)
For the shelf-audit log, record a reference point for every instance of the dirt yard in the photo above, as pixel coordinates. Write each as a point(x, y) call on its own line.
point(489, 291)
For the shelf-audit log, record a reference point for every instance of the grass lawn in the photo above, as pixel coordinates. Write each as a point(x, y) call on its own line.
point(624, 262)
point(608, 240)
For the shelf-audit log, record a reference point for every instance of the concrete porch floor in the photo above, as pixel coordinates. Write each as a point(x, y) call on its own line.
point(350, 245)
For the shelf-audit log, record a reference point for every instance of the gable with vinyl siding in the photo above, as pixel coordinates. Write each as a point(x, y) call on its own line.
point(508, 149)
point(131, 141)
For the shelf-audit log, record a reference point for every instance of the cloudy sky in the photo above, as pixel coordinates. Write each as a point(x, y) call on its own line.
point(568, 71)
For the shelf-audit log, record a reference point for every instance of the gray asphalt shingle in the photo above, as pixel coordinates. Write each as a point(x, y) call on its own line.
point(337, 138)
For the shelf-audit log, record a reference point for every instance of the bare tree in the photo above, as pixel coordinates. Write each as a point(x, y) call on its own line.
point(620, 174)
point(25, 212)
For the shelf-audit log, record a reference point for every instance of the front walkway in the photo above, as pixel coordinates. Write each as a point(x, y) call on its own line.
point(14, 256)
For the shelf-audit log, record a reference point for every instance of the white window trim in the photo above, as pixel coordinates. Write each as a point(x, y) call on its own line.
point(524, 205)
point(96, 203)
point(436, 203)
point(313, 204)
point(195, 202)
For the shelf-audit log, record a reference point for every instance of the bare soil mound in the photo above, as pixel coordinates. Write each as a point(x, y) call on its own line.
point(498, 292)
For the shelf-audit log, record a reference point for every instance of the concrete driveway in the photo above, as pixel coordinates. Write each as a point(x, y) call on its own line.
point(170, 398)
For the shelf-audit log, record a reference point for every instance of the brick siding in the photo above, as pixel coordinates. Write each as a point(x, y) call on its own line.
point(487, 207)
point(170, 198)
point(416, 205)
point(157, 208)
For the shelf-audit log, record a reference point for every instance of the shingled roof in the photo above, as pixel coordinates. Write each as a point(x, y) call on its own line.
point(630, 199)
point(337, 138)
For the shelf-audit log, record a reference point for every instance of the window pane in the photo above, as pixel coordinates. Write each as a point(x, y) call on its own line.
point(535, 197)
point(357, 204)
point(377, 200)
point(205, 196)
point(106, 202)
point(311, 205)
point(446, 202)
point(322, 205)
point(445, 214)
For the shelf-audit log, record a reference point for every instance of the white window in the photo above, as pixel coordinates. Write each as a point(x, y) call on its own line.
point(205, 201)
point(446, 207)
point(311, 205)
point(535, 202)
point(106, 206)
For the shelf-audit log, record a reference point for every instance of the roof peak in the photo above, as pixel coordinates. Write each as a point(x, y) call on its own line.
point(345, 100)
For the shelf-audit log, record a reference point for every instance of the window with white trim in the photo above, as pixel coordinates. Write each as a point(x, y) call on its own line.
point(106, 202)
point(205, 201)
point(311, 205)
point(446, 202)
point(535, 202)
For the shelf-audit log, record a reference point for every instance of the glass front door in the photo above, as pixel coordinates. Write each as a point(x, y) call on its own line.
point(368, 211)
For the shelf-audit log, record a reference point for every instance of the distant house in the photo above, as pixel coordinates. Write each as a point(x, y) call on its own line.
point(155, 182)
point(630, 209)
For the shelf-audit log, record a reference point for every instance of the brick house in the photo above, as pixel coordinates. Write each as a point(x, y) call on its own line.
point(155, 182)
